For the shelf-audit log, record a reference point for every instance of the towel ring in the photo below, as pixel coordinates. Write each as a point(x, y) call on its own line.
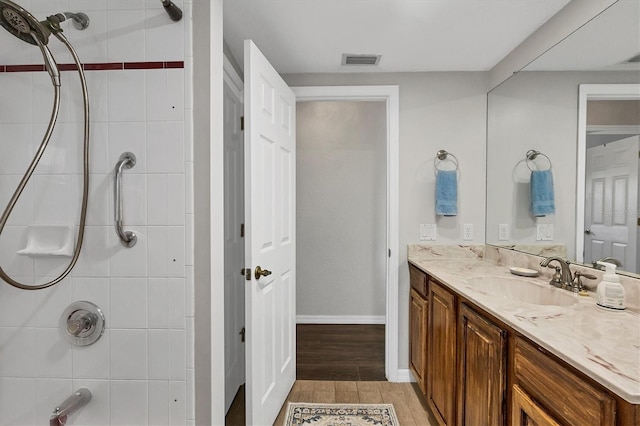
point(532, 154)
point(442, 155)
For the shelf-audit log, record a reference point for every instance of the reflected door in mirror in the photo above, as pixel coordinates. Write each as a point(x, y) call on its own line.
point(612, 202)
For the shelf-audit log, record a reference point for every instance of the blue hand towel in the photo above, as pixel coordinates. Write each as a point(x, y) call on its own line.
point(542, 200)
point(447, 192)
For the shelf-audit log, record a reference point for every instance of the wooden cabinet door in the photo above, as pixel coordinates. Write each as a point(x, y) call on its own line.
point(525, 412)
point(482, 380)
point(418, 338)
point(441, 344)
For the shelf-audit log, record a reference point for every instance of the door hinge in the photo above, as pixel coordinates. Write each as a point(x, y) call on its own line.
point(639, 221)
point(389, 252)
point(242, 230)
point(242, 123)
point(242, 332)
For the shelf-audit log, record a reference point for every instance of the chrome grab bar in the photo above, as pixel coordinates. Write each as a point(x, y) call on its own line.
point(127, 238)
point(79, 399)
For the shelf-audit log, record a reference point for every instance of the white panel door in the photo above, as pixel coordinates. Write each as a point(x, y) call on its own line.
point(611, 202)
point(234, 357)
point(270, 205)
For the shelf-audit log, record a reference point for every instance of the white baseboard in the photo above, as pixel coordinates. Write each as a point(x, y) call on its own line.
point(401, 375)
point(340, 319)
point(405, 375)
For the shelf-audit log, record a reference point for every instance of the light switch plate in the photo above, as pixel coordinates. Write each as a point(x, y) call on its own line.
point(503, 232)
point(428, 232)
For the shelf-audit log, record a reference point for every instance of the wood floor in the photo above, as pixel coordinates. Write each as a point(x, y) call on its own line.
point(340, 352)
point(343, 364)
point(236, 416)
point(408, 401)
point(409, 404)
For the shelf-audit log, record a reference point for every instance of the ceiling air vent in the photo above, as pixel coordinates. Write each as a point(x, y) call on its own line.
point(352, 59)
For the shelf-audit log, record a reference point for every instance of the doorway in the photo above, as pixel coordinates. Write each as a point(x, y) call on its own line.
point(389, 96)
point(341, 234)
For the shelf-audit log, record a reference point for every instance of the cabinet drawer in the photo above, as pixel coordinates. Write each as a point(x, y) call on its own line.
point(418, 280)
point(565, 395)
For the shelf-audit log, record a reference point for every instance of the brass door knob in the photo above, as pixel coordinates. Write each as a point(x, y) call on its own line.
point(261, 272)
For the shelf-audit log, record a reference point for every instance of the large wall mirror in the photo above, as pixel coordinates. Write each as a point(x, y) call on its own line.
point(574, 111)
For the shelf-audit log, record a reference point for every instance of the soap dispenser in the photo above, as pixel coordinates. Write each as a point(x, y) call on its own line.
point(610, 291)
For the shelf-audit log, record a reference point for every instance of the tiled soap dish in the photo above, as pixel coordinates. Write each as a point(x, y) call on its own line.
point(48, 240)
point(523, 271)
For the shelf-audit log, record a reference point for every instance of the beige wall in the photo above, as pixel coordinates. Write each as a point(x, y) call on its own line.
point(437, 111)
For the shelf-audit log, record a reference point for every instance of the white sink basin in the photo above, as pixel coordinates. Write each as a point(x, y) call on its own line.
point(519, 290)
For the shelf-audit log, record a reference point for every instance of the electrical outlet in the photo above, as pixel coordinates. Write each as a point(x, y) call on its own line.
point(503, 232)
point(467, 232)
point(544, 232)
point(428, 232)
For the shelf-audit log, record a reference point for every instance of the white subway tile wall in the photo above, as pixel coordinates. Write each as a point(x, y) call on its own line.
point(141, 371)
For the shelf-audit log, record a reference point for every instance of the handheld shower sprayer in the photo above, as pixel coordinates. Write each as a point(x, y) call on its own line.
point(173, 11)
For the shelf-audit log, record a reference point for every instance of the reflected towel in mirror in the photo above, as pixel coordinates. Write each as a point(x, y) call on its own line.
point(542, 198)
point(447, 193)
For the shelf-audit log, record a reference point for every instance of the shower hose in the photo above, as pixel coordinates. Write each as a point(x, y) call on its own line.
point(36, 159)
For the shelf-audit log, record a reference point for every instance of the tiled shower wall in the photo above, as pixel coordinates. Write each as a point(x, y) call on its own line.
point(141, 370)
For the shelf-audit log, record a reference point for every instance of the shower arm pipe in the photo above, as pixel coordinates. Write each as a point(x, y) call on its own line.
point(80, 21)
point(36, 159)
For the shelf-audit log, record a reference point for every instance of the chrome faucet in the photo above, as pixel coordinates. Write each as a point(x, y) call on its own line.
point(562, 278)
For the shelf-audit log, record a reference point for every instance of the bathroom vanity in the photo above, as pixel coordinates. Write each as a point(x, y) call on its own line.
point(491, 348)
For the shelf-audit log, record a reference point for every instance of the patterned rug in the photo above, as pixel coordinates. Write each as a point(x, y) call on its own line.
point(303, 413)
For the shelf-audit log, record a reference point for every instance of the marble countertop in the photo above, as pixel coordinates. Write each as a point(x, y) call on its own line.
point(603, 345)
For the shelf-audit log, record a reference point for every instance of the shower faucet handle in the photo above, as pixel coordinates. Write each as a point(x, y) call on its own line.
point(76, 325)
point(82, 323)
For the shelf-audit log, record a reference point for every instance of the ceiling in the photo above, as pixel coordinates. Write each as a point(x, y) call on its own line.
point(604, 43)
point(303, 36)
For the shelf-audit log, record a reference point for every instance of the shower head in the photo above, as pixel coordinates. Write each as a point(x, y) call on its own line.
point(21, 23)
point(175, 13)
